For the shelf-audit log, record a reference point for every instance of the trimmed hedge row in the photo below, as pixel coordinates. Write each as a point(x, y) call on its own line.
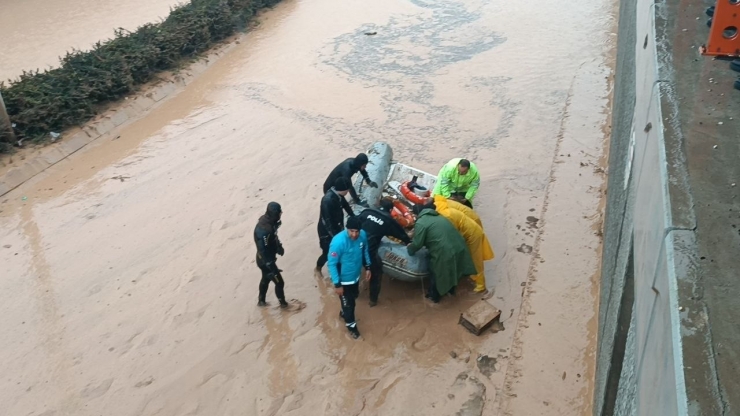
point(52, 100)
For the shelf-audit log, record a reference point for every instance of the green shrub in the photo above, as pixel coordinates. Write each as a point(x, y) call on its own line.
point(53, 100)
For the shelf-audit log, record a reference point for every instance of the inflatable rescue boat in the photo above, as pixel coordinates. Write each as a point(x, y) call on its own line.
point(406, 186)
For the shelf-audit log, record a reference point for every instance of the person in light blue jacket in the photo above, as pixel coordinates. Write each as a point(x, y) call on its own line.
point(348, 255)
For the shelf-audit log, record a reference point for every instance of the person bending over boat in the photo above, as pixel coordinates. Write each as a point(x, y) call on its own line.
point(449, 256)
point(378, 223)
point(347, 169)
point(475, 237)
point(331, 218)
point(458, 180)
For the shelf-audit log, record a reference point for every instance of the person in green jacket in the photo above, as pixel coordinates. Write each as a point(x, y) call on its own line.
point(458, 180)
point(450, 259)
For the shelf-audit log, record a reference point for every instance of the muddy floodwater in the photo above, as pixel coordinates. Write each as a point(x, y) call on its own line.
point(36, 33)
point(128, 279)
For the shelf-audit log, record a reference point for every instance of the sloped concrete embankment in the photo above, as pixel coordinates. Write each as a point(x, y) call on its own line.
point(102, 127)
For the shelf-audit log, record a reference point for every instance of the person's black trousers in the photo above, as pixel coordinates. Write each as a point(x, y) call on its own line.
point(348, 304)
point(324, 242)
point(268, 276)
point(376, 277)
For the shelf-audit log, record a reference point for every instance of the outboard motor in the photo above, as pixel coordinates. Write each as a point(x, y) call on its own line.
point(378, 167)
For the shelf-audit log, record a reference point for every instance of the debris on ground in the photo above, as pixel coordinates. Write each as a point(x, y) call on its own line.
point(479, 317)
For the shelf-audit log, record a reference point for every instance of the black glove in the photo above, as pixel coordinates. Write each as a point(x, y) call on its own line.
point(372, 184)
point(280, 250)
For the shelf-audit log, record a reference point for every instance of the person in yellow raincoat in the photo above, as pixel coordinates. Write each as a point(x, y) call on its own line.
point(467, 211)
point(468, 223)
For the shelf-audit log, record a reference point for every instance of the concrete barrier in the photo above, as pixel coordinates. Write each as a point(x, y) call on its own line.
point(653, 352)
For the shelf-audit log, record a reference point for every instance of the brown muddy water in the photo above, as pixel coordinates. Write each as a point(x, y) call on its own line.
point(35, 33)
point(128, 282)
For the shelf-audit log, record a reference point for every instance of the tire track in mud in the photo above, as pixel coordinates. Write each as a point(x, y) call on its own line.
point(515, 355)
point(569, 298)
point(58, 353)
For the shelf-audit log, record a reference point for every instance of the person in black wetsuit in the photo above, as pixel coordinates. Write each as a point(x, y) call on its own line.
point(378, 223)
point(347, 169)
point(331, 218)
point(268, 248)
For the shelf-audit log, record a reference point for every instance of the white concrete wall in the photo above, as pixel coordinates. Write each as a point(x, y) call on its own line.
point(658, 362)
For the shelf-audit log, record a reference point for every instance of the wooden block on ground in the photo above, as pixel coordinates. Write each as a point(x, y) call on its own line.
point(479, 317)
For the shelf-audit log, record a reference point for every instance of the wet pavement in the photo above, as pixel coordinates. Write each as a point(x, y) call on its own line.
point(129, 283)
point(706, 115)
